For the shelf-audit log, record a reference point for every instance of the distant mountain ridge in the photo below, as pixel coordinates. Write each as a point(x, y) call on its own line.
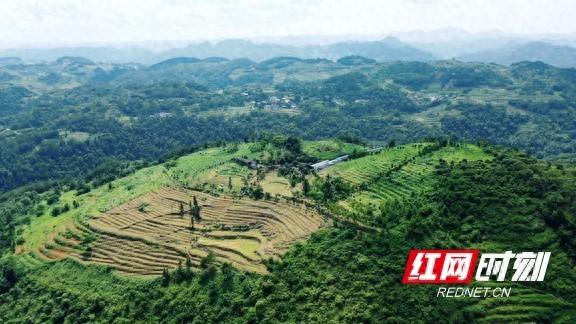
point(422, 47)
point(561, 56)
point(107, 54)
point(388, 49)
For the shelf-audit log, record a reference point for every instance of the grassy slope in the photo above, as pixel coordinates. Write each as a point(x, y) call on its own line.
point(219, 177)
point(329, 149)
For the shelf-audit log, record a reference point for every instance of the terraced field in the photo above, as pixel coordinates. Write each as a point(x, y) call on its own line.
point(274, 184)
point(188, 170)
point(141, 224)
point(412, 178)
point(525, 305)
point(193, 169)
point(150, 233)
point(228, 176)
point(431, 117)
point(370, 167)
point(110, 227)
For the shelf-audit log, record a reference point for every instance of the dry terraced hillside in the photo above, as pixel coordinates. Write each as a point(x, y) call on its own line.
point(135, 224)
point(151, 233)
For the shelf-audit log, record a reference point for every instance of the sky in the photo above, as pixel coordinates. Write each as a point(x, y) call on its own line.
point(57, 22)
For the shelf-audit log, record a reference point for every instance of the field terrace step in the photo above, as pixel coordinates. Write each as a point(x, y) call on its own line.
point(149, 234)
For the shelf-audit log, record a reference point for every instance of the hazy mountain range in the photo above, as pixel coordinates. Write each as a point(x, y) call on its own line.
point(561, 56)
point(388, 49)
point(493, 47)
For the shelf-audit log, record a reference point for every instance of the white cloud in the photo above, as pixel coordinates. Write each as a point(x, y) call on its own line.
point(93, 21)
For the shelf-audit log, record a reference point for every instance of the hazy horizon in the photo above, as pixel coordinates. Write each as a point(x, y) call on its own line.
point(54, 23)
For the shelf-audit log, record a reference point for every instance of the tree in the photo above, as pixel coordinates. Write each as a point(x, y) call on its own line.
point(327, 188)
point(293, 145)
point(56, 211)
point(258, 192)
point(207, 260)
point(179, 274)
point(165, 277)
point(188, 264)
point(181, 210)
point(305, 186)
point(8, 277)
point(229, 183)
point(195, 209)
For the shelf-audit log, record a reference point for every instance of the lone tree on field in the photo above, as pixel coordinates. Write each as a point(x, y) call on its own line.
point(195, 209)
point(229, 183)
point(181, 210)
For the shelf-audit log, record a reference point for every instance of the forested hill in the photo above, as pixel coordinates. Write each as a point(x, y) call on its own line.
point(72, 117)
point(116, 251)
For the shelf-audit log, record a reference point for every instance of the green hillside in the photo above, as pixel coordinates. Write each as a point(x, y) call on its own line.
point(272, 258)
point(404, 179)
point(65, 119)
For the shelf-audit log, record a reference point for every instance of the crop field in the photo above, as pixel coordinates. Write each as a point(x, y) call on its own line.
point(370, 167)
point(525, 305)
point(226, 112)
point(413, 178)
point(154, 232)
point(277, 185)
point(226, 177)
point(141, 224)
point(187, 170)
point(431, 117)
point(302, 72)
